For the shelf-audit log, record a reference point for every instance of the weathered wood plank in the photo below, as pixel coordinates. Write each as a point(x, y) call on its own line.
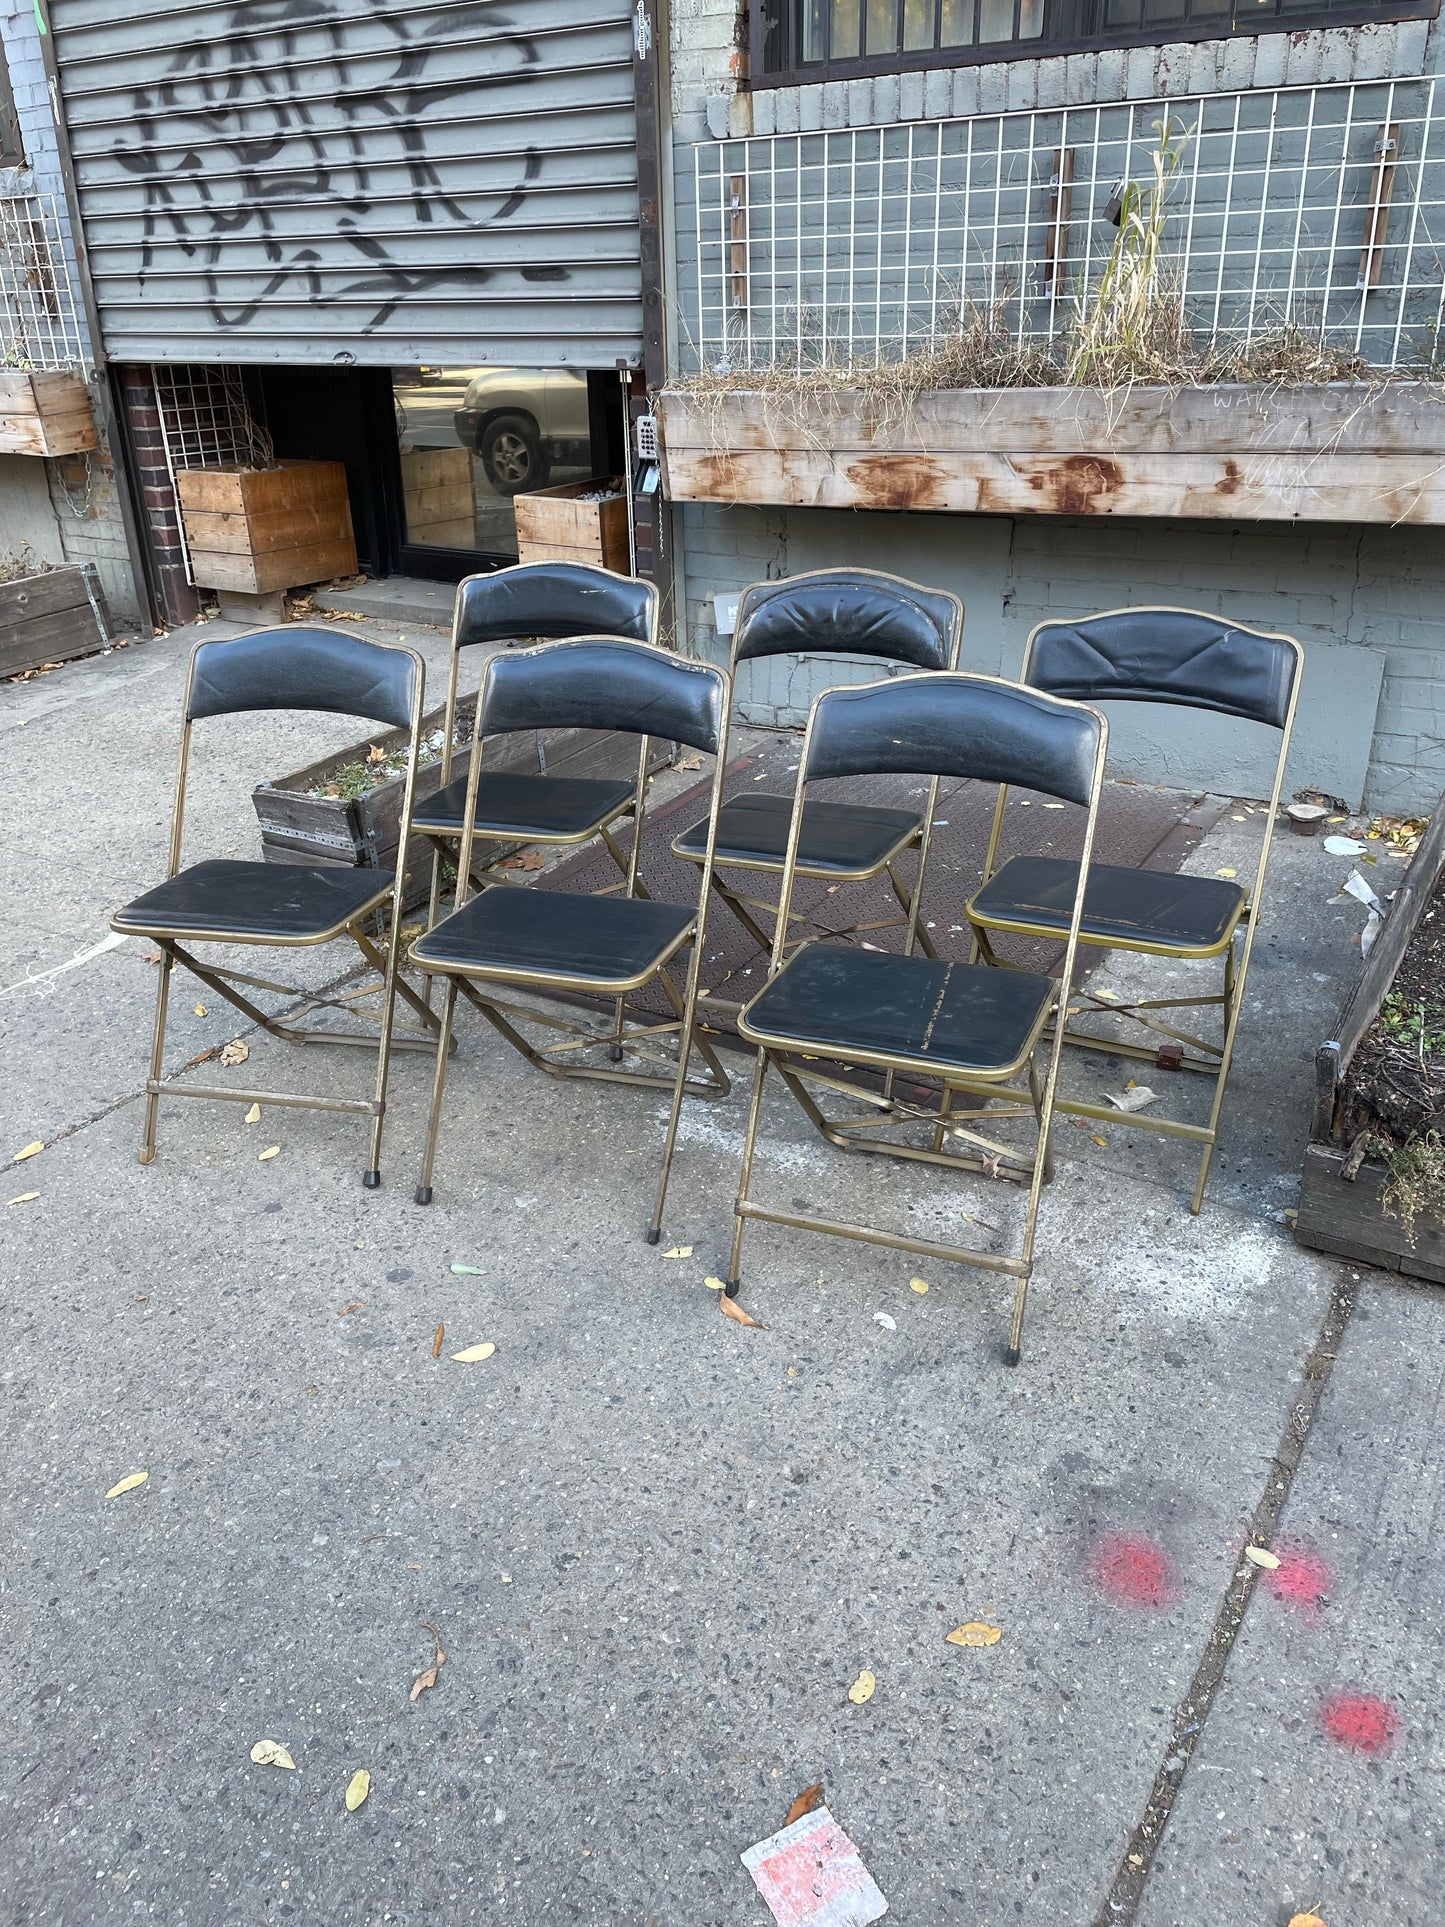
point(228, 532)
point(274, 568)
point(1347, 1219)
point(46, 618)
point(45, 414)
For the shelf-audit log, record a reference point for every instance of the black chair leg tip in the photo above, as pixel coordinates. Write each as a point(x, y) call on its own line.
point(1012, 1355)
point(423, 1194)
point(614, 1051)
point(732, 1287)
point(654, 1237)
point(372, 1180)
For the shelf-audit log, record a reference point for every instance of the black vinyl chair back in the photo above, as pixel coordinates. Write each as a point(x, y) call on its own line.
point(1167, 656)
point(603, 682)
point(853, 612)
point(297, 668)
point(553, 600)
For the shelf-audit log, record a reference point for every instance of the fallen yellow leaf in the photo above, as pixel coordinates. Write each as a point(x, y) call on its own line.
point(253, 1116)
point(1094, 1136)
point(1227, 871)
point(473, 1354)
point(271, 1151)
point(1258, 1556)
point(272, 1753)
point(714, 1284)
point(863, 1688)
point(679, 1251)
point(918, 1284)
point(200, 1010)
point(1305, 1920)
point(733, 1310)
point(25, 1197)
point(30, 1151)
point(424, 1682)
point(127, 1484)
point(976, 1633)
point(357, 1789)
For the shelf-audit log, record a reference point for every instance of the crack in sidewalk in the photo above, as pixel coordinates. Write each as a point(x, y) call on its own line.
point(1120, 1905)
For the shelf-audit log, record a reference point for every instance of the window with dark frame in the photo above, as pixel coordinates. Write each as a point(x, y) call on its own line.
point(12, 148)
point(796, 41)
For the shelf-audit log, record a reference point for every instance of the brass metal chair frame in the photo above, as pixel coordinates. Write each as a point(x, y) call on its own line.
point(745, 908)
point(1200, 1055)
point(554, 619)
point(643, 1038)
point(916, 1093)
point(209, 663)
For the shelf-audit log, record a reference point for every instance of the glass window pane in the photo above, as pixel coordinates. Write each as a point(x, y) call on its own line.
point(847, 29)
point(957, 24)
point(815, 29)
point(882, 26)
point(1031, 19)
point(1157, 12)
point(996, 20)
point(917, 25)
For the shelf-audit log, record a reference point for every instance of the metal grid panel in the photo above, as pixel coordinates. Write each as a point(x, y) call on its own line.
point(39, 326)
point(1323, 207)
point(206, 422)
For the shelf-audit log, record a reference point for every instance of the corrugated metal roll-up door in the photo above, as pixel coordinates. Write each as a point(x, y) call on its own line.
point(384, 181)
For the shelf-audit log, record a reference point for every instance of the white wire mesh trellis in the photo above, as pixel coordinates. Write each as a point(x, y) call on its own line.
point(39, 326)
point(1322, 206)
point(206, 422)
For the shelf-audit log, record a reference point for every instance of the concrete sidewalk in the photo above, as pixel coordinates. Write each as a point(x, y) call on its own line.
point(657, 1548)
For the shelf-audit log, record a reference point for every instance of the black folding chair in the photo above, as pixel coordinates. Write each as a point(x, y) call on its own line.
point(928, 1030)
point(536, 601)
point(832, 612)
point(284, 905)
point(1151, 656)
point(559, 943)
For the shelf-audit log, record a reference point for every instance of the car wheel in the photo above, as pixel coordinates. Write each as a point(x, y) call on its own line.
point(512, 455)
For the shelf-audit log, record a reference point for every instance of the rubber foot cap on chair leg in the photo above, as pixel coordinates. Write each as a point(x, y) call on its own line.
point(614, 1051)
point(372, 1180)
point(654, 1235)
point(1011, 1355)
point(423, 1194)
point(732, 1287)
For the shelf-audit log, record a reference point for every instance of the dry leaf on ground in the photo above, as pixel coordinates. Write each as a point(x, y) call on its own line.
point(1305, 1920)
point(253, 1116)
point(1227, 871)
point(679, 1251)
point(271, 1151)
point(976, 1633)
point(25, 1197)
point(1259, 1556)
point(375, 753)
point(733, 1310)
point(236, 1052)
point(714, 1284)
point(30, 1151)
point(918, 1284)
point(467, 1271)
point(272, 1753)
point(689, 762)
point(127, 1484)
point(437, 1337)
point(424, 1682)
point(473, 1354)
point(200, 1010)
point(863, 1688)
point(357, 1789)
point(810, 1797)
point(1096, 1139)
point(355, 1304)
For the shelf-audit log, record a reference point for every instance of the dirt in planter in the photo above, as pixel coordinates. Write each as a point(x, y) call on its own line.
point(1396, 1084)
point(359, 776)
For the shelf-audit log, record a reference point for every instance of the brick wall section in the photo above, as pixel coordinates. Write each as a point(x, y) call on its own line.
point(160, 514)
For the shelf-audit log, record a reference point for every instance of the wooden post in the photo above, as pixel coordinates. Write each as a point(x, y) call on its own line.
point(1377, 211)
point(1061, 207)
point(738, 238)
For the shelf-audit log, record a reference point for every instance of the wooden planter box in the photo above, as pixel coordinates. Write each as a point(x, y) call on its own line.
point(553, 526)
point(44, 414)
point(299, 828)
point(1336, 1213)
point(436, 485)
point(1336, 452)
point(50, 618)
point(261, 529)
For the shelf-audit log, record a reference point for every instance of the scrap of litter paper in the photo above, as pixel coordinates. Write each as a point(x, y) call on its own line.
point(811, 1875)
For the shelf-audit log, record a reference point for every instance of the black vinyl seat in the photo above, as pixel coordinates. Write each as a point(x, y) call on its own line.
point(1149, 910)
point(610, 944)
point(836, 839)
point(908, 1012)
point(540, 809)
point(272, 903)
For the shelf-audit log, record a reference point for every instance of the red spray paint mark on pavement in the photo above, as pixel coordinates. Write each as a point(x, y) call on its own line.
point(1361, 1722)
point(1300, 1579)
point(1133, 1571)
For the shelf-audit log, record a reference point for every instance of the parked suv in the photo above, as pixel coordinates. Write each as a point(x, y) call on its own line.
point(523, 422)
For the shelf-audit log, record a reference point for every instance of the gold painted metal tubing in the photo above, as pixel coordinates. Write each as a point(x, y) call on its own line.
point(867, 1234)
point(278, 1100)
point(158, 1045)
point(439, 1081)
point(1133, 1120)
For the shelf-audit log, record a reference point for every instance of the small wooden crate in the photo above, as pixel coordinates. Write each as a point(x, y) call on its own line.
point(260, 529)
point(50, 618)
point(553, 526)
point(44, 414)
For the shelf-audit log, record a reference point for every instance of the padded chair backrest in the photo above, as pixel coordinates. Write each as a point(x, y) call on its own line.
point(603, 682)
point(1167, 656)
point(853, 612)
point(554, 599)
point(956, 725)
point(296, 668)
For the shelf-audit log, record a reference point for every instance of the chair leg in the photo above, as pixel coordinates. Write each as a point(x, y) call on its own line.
point(158, 1045)
point(439, 1082)
point(1014, 1351)
point(734, 1277)
point(1233, 995)
point(371, 1176)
